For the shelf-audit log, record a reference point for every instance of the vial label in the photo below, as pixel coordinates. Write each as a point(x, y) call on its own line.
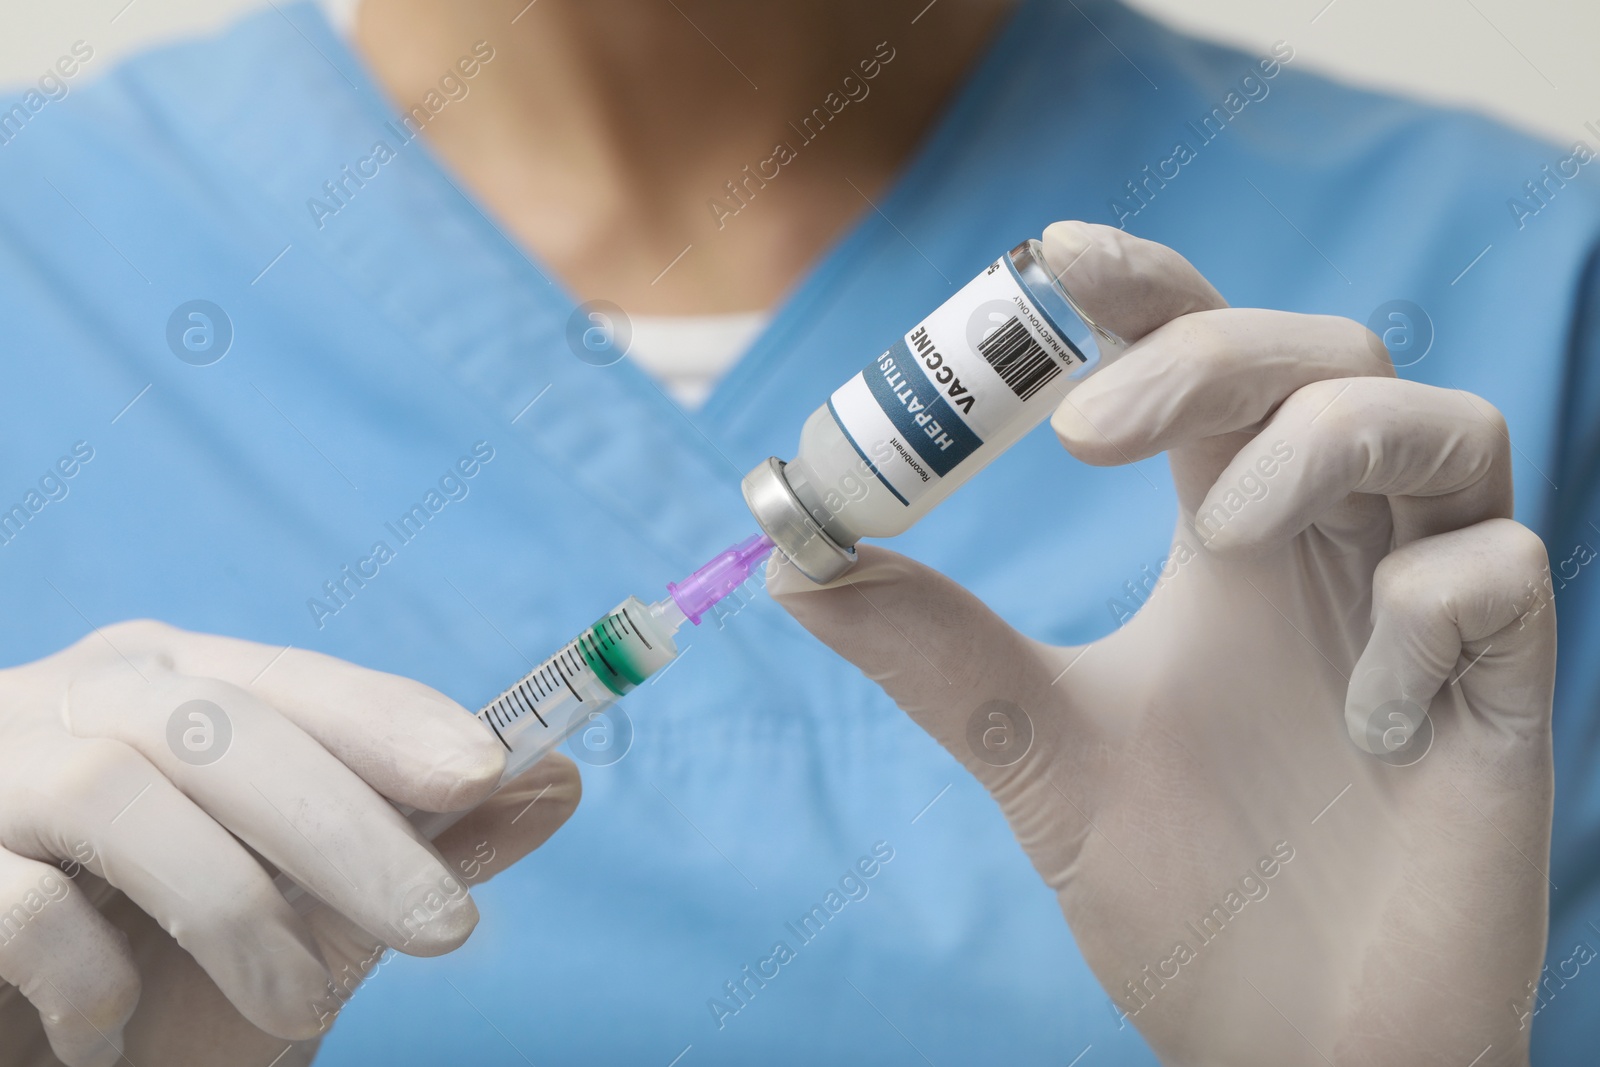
point(984, 360)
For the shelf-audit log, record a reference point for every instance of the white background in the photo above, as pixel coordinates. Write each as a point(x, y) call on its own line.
point(1530, 62)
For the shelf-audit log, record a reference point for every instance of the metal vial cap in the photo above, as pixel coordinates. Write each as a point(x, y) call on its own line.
point(796, 534)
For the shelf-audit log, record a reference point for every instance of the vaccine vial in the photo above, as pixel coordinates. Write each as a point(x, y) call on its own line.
point(961, 387)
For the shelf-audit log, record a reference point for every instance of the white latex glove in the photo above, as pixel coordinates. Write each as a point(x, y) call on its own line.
point(1249, 882)
point(136, 908)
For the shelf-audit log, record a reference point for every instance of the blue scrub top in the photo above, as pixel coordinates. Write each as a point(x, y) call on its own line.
point(374, 346)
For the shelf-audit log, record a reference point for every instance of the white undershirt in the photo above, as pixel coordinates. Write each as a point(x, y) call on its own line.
point(341, 13)
point(690, 354)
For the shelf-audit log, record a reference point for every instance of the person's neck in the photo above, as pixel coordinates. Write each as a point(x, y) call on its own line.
point(602, 135)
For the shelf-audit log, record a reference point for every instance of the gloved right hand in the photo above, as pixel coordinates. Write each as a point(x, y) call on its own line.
point(1234, 794)
point(149, 776)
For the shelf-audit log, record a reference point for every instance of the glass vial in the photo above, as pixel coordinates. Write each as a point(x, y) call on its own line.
point(961, 387)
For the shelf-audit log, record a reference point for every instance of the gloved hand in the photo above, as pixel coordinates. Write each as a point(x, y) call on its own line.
point(1266, 852)
point(149, 776)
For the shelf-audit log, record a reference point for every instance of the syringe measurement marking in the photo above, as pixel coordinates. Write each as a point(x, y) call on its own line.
point(596, 646)
point(576, 665)
point(629, 622)
point(559, 671)
point(518, 700)
point(532, 705)
point(509, 706)
point(490, 720)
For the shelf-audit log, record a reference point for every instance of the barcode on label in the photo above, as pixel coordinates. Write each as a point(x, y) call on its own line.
point(1019, 359)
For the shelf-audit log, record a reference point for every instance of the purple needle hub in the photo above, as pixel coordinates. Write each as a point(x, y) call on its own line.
point(727, 571)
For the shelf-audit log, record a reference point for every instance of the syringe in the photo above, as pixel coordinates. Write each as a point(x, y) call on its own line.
point(592, 672)
point(602, 664)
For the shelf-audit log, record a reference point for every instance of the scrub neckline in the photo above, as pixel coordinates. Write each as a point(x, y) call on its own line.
point(789, 314)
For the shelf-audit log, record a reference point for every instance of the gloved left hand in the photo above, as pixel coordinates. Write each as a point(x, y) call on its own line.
point(147, 776)
point(1267, 853)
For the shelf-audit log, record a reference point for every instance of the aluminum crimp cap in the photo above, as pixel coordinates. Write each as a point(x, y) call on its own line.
point(795, 533)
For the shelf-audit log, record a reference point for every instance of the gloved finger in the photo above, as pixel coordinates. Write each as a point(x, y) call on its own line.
point(282, 793)
point(1198, 372)
point(1210, 373)
point(515, 821)
point(503, 829)
point(1453, 693)
point(1124, 283)
point(111, 810)
point(940, 654)
point(411, 743)
point(1463, 609)
point(71, 964)
point(1440, 455)
point(519, 818)
point(182, 1016)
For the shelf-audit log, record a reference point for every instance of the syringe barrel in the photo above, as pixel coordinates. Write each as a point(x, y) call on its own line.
point(556, 699)
point(565, 692)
